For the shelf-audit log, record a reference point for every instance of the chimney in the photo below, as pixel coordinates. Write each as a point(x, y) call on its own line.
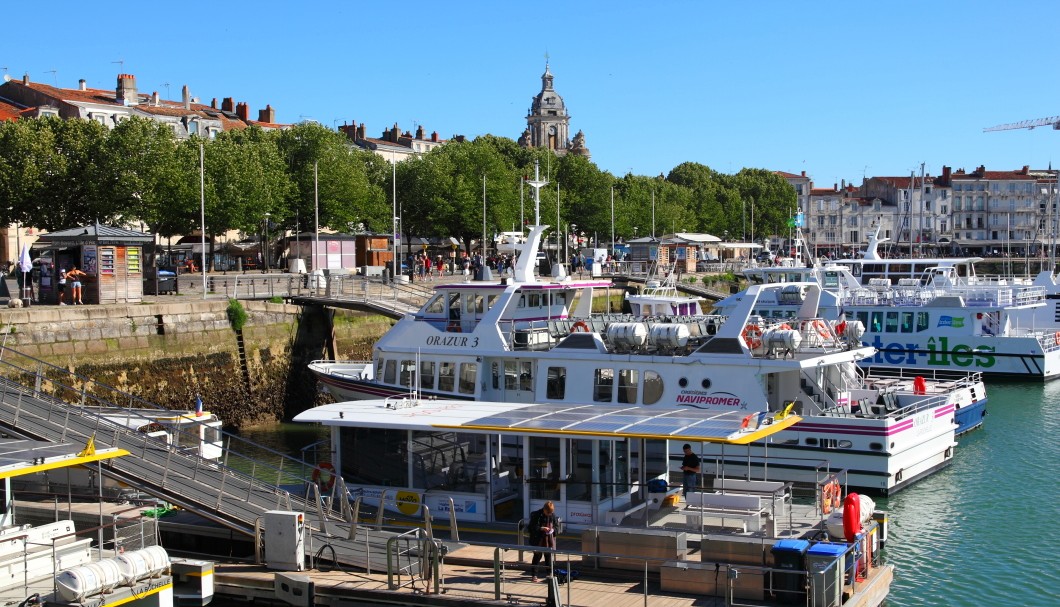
point(1026, 169)
point(154, 99)
point(185, 96)
point(227, 105)
point(945, 175)
point(125, 91)
point(213, 103)
point(804, 173)
point(243, 111)
point(419, 132)
point(82, 85)
point(843, 183)
point(394, 134)
point(267, 115)
point(835, 187)
point(434, 136)
point(360, 131)
point(25, 78)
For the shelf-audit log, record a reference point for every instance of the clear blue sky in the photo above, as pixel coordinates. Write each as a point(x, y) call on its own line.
point(838, 89)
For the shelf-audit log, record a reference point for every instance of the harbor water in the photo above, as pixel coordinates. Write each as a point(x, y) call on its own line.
point(985, 531)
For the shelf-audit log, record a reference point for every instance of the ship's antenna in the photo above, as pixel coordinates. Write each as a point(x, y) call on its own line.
point(537, 184)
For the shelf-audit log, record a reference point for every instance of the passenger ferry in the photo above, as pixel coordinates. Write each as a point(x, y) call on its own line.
point(660, 297)
point(935, 322)
point(525, 340)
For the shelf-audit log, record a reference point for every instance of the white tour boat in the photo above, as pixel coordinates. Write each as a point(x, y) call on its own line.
point(526, 340)
point(662, 298)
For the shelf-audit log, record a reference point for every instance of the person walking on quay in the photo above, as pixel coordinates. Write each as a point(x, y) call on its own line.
point(690, 466)
point(74, 277)
point(542, 528)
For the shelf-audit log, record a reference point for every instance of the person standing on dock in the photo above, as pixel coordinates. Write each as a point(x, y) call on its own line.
point(542, 529)
point(690, 466)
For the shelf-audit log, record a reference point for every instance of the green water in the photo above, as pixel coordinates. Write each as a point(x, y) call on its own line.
point(985, 531)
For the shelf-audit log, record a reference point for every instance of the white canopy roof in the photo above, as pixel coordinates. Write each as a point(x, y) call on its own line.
point(558, 419)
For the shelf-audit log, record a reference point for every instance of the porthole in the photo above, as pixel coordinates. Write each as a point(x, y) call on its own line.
point(682, 382)
point(845, 444)
point(706, 384)
point(876, 446)
point(811, 441)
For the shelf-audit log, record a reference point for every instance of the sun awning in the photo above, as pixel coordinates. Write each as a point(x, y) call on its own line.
point(556, 419)
point(21, 457)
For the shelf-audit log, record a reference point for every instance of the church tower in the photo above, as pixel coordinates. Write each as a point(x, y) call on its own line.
point(547, 124)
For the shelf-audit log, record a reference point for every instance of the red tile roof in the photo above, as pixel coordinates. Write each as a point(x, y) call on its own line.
point(1009, 175)
point(787, 175)
point(900, 182)
point(9, 111)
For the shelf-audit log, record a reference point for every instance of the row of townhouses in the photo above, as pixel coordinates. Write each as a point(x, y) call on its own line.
point(977, 212)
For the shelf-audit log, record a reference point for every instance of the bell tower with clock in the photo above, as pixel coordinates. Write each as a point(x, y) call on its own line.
point(547, 123)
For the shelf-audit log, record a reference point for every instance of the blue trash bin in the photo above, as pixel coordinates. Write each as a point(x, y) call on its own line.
point(790, 555)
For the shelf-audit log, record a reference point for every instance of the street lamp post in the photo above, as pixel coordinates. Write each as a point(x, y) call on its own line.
point(265, 248)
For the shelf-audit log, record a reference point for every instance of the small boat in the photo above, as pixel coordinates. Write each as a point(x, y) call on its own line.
point(56, 564)
point(660, 297)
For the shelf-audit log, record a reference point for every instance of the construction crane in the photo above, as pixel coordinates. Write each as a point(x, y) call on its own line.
point(1027, 124)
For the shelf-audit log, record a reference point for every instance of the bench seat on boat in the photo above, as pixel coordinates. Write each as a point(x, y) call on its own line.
point(728, 508)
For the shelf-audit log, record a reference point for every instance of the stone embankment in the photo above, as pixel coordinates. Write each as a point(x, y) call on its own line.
point(168, 353)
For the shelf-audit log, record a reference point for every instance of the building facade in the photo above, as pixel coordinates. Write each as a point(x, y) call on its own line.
point(548, 123)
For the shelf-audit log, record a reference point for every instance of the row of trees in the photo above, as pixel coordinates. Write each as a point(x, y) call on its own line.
point(57, 174)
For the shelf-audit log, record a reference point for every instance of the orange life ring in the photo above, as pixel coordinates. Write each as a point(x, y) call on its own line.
point(752, 336)
point(324, 475)
point(784, 327)
point(580, 326)
point(1057, 338)
point(830, 495)
point(821, 327)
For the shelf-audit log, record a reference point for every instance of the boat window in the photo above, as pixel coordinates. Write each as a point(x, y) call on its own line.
point(390, 372)
point(469, 302)
point(627, 385)
point(492, 299)
point(526, 376)
point(907, 322)
point(511, 375)
point(480, 304)
point(436, 305)
point(831, 279)
point(863, 317)
point(522, 300)
point(892, 322)
point(447, 376)
point(603, 385)
point(408, 373)
point(653, 387)
point(535, 300)
point(427, 374)
point(559, 298)
point(468, 373)
point(496, 376)
point(877, 322)
point(923, 321)
point(556, 385)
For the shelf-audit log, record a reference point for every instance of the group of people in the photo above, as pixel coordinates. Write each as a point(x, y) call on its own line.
point(73, 279)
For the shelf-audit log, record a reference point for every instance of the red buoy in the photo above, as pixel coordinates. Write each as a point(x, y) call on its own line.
point(851, 516)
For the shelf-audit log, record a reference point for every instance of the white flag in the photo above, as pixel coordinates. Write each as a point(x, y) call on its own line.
point(24, 262)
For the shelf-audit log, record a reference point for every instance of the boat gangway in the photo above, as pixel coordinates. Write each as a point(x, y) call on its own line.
point(44, 402)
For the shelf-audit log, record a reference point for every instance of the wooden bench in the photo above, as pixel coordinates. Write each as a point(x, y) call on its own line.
point(747, 510)
point(628, 548)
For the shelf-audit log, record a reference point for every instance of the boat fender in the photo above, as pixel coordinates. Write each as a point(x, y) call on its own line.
point(324, 476)
point(1056, 338)
point(851, 516)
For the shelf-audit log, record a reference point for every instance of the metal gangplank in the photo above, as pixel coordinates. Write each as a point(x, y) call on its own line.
point(45, 402)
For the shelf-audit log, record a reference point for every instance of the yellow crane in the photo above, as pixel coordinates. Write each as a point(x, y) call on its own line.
point(1053, 121)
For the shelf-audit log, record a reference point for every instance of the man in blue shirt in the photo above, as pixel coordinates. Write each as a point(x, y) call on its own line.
point(690, 467)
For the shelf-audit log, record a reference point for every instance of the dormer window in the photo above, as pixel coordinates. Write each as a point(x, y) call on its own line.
point(193, 127)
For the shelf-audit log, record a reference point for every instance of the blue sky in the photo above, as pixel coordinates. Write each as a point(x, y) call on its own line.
point(836, 89)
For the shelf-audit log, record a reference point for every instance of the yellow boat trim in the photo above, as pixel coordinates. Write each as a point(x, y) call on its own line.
point(136, 596)
point(198, 573)
point(739, 438)
point(65, 462)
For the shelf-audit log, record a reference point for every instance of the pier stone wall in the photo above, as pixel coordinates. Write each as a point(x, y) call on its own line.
point(170, 352)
